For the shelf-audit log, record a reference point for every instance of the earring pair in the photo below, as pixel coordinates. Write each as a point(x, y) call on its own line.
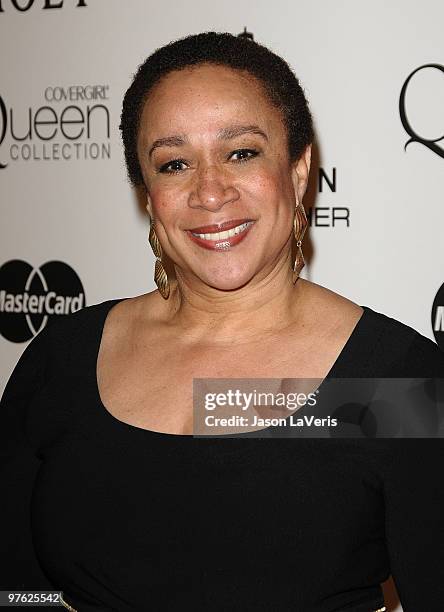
point(161, 277)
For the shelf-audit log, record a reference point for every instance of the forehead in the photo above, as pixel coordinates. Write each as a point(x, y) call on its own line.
point(206, 97)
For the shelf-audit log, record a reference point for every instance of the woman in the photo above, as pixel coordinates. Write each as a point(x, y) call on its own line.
point(129, 511)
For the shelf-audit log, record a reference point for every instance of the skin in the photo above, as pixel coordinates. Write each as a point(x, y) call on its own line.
point(214, 185)
point(225, 308)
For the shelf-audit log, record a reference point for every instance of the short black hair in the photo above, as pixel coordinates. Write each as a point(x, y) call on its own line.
point(224, 49)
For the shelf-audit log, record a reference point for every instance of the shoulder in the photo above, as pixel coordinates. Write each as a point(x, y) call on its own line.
point(79, 335)
point(68, 339)
point(78, 325)
point(325, 310)
point(383, 347)
point(403, 350)
point(377, 345)
point(87, 316)
point(65, 338)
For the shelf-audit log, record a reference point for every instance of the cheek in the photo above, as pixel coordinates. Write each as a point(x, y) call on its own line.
point(272, 189)
point(262, 185)
point(165, 202)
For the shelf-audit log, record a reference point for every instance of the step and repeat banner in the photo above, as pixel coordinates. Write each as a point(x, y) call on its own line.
point(73, 232)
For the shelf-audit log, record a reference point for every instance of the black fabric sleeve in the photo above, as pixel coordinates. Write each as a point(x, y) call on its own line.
point(414, 496)
point(19, 568)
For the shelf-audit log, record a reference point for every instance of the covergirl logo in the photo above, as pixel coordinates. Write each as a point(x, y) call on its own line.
point(430, 143)
point(73, 123)
point(25, 5)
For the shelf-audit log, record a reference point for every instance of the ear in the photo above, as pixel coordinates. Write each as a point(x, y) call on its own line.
point(299, 173)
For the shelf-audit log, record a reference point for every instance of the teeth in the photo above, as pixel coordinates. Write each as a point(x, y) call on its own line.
point(224, 235)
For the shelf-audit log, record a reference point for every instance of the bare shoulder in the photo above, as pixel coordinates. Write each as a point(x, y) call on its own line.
point(330, 310)
point(128, 315)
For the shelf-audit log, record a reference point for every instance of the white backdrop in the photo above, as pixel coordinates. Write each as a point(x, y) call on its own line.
point(384, 249)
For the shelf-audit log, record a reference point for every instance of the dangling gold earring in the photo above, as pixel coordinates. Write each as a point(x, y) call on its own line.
point(300, 223)
point(160, 275)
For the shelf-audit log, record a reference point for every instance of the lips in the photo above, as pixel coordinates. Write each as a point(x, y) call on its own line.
point(218, 227)
point(226, 234)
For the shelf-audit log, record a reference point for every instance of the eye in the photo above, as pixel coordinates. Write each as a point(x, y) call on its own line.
point(172, 167)
point(244, 155)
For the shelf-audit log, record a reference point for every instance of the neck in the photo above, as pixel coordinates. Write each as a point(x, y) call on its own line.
point(265, 305)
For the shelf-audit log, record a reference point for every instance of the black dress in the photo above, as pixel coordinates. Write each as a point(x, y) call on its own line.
point(121, 518)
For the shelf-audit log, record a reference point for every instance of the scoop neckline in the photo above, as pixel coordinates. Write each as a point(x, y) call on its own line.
point(104, 312)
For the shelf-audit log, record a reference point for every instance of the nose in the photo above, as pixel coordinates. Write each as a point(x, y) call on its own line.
point(212, 189)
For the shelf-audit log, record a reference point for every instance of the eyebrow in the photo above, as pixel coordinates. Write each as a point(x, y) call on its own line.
point(237, 130)
point(224, 134)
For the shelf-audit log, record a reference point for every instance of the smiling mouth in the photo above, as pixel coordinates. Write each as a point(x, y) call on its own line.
point(222, 236)
point(218, 235)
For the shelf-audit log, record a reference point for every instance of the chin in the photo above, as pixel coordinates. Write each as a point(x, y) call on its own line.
point(227, 283)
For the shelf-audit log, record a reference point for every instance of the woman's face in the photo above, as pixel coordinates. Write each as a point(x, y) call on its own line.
point(214, 156)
